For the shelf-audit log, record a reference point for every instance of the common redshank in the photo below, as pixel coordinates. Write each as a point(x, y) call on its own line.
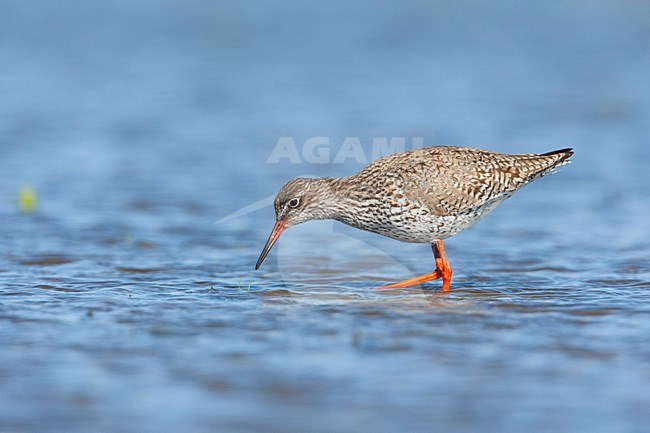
point(421, 196)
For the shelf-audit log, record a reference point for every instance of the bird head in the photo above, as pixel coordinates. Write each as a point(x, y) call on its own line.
point(299, 200)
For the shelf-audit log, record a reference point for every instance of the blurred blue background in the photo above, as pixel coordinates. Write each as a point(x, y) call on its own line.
point(138, 124)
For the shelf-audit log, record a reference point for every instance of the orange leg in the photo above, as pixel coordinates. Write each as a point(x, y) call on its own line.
point(442, 264)
point(443, 270)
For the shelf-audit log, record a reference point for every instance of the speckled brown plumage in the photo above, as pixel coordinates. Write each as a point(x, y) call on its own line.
point(423, 195)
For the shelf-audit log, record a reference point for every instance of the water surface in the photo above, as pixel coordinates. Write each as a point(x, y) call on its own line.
point(124, 307)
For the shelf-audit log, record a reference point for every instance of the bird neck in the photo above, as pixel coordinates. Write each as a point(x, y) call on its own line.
point(333, 197)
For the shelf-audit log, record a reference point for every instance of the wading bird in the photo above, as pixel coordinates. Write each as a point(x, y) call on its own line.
point(421, 196)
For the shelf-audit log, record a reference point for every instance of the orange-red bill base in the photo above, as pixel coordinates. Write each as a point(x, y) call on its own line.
point(278, 228)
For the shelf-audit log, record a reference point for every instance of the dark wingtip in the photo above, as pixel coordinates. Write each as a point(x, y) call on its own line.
point(567, 150)
point(566, 153)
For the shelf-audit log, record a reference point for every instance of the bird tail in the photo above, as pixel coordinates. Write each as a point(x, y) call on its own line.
point(561, 156)
point(540, 165)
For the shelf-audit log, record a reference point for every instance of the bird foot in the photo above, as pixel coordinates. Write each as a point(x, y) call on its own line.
point(415, 281)
point(443, 270)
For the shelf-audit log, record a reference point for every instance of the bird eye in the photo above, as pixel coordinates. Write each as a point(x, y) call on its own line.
point(294, 202)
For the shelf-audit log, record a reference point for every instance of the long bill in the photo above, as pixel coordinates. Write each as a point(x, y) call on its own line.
point(278, 228)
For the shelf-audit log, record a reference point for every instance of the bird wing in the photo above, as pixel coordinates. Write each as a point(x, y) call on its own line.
point(451, 180)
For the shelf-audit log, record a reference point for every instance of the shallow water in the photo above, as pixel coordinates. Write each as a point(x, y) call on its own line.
point(124, 307)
